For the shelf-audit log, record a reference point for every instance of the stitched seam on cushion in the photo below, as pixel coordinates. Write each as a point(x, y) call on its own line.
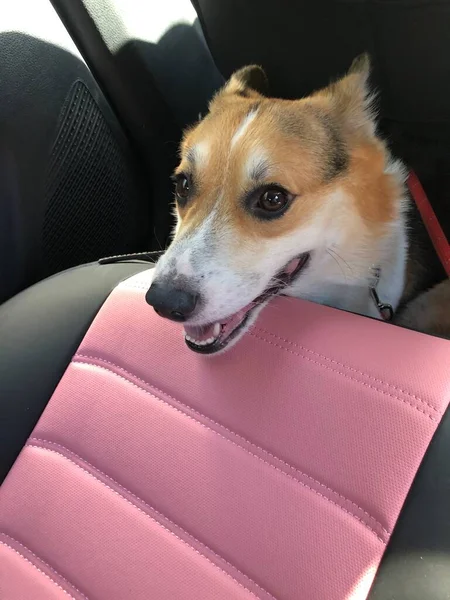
point(40, 570)
point(240, 437)
point(150, 507)
point(149, 516)
point(135, 286)
point(230, 441)
point(372, 387)
point(340, 364)
point(328, 359)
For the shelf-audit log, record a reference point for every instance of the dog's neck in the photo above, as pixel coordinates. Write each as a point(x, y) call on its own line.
point(342, 277)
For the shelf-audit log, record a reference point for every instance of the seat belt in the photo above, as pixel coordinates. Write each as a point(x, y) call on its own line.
point(430, 221)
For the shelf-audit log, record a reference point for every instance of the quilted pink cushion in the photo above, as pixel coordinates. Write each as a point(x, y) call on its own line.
point(276, 470)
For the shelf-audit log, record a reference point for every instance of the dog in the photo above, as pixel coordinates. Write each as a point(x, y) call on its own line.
point(294, 197)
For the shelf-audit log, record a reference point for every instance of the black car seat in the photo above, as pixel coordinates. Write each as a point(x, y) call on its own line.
point(150, 48)
point(76, 180)
point(157, 72)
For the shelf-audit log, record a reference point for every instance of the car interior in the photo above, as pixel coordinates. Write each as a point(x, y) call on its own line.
point(314, 464)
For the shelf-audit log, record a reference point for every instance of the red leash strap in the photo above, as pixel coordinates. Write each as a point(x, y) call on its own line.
point(430, 220)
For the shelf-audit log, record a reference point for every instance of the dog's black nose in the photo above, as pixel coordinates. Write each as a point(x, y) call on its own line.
point(171, 302)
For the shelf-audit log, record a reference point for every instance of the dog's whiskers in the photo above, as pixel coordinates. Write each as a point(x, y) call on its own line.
point(157, 240)
point(338, 259)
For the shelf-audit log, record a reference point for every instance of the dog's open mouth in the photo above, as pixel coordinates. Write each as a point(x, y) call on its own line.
point(213, 337)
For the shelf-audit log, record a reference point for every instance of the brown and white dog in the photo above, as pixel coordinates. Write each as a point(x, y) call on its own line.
point(277, 196)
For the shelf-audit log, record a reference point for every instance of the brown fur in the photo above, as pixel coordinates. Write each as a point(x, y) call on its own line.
point(310, 129)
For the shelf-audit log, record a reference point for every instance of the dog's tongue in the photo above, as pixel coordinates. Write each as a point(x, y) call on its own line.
point(290, 267)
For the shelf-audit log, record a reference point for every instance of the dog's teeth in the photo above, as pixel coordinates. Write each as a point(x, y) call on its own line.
point(200, 342)
point(216, 330)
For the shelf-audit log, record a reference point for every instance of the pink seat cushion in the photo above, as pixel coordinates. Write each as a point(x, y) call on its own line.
point(275, 470)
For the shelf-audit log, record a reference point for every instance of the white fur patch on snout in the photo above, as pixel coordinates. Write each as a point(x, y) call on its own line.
point(183, 264)
point(189, 250)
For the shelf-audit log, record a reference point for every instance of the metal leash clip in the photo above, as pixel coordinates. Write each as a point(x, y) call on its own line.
point(386, 311)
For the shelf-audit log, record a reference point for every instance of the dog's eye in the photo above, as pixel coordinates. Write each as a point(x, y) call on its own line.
point(182, 187)
point(268, 202)
point(273, 200)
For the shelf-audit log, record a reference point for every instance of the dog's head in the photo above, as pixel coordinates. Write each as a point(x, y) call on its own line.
point(264, 185)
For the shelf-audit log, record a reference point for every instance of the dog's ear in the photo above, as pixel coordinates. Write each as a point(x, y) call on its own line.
point(248, 82)
point(352, 99)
